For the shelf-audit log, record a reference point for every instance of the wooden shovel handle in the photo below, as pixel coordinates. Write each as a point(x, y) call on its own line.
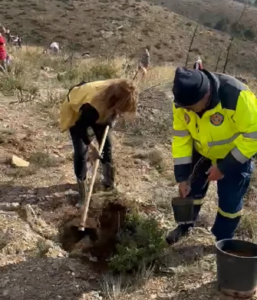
point(86, 205)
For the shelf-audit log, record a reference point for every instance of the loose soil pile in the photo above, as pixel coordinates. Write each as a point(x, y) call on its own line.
point(101, 233)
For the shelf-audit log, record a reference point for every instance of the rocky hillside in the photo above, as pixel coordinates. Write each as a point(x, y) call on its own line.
point(218, 14)
point(105, 27)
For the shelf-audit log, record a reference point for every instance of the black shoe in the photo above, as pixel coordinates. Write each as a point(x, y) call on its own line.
point(175, 235)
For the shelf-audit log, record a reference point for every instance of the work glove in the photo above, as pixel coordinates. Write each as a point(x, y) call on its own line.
point(93, 154)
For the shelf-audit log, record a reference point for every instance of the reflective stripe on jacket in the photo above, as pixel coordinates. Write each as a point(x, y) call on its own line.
point(227, 131)
point(78, 95)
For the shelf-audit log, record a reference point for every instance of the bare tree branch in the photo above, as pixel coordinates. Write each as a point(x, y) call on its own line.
point(231, 42)
point(218, 60)
point(191, 43)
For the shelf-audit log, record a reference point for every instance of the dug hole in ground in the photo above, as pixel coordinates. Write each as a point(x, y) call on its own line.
point(39, 257)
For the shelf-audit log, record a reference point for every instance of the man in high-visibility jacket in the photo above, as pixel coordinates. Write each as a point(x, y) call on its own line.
point(214, 138)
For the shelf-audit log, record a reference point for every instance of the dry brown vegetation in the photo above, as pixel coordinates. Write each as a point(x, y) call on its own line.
point(112, 28)
point(210, 13)
point(36, 202)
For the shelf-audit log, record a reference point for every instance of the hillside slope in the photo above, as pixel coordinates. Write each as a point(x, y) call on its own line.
point(105, 27)
point(210, 13)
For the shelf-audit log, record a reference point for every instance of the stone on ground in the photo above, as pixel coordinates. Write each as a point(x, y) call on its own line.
point(19, 162)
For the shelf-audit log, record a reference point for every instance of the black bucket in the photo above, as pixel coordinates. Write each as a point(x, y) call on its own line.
point(237, 268)
point(183, 209)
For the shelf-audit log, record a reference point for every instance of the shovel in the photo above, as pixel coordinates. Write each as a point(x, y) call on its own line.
point(86, 205)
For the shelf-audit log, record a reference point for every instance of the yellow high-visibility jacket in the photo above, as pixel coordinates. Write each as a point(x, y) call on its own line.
point(78, 95)
point(226, 131)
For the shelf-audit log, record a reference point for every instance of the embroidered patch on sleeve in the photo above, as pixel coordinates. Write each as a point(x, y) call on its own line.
point(217, 119)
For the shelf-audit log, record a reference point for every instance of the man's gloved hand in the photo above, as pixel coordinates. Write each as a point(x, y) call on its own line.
point(184, 189)
point(93, 154)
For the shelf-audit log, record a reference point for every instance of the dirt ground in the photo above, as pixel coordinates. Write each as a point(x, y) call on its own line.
point(37, 202)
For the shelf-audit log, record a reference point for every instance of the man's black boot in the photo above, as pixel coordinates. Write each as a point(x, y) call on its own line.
point(180, 231)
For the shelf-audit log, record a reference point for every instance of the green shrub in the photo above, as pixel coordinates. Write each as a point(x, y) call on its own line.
point(8, 84)
point(141, 244)
point(221, 24)
point(249, 34)
point(76, 74)
point(6, 135)
point(241, 31)
point(102, 71)
point(44, 160)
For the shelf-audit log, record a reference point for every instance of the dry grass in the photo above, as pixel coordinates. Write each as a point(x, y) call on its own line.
point(114, 287)
point(156, 77)
point(123, 28)
point(248, 227)
point(118, 287)
point(69, 74)
point(154, 157)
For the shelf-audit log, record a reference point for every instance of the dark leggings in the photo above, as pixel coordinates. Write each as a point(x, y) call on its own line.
point(81, 149)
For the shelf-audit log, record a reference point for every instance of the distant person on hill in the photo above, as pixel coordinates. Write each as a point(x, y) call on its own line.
point(16, 41)
point(8, 61)
point(3, 53)
point(198, 65)
point(94, 105)
point(19, 41)
point(54, 48)
point(144, 61)
point(8, 35)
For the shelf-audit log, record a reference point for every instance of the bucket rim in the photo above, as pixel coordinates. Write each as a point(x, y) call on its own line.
point(179, 197)
point(236, 240)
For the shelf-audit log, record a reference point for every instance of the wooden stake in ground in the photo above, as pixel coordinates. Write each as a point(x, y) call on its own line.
point(86, 205)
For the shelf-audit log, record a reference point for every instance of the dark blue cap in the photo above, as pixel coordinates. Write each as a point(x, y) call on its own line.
point(190, 86)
